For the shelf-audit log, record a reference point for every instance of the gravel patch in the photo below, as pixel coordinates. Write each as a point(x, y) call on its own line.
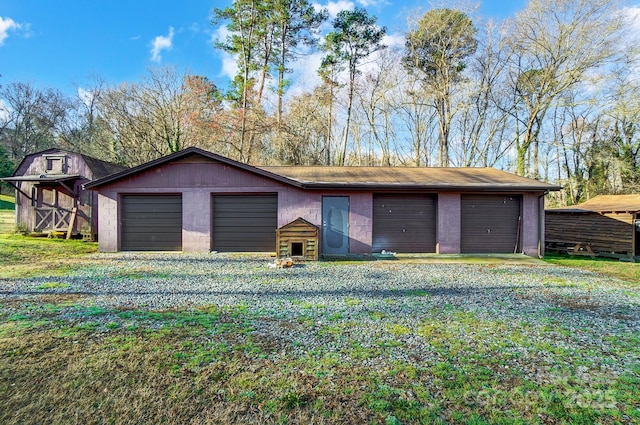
point(388, 309)
point(160, 281)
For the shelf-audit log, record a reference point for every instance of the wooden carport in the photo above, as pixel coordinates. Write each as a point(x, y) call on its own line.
point(606, 225)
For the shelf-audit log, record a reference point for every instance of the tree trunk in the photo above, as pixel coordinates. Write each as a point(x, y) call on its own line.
point(345, 136)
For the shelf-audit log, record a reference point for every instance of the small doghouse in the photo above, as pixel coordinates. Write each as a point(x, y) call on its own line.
point(298, 240)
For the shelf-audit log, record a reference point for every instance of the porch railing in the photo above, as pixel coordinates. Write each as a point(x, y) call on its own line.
point(52, 219)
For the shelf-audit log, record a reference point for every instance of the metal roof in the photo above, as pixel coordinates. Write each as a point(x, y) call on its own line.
point(42, 178)
point(605, 204)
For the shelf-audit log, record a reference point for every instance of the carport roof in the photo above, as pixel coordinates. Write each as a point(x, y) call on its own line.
point(380, 178)
point(42, 178)
point(604, 204)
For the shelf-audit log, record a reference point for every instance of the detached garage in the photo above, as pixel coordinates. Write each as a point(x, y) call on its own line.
point(151, 222)
point(198, 201)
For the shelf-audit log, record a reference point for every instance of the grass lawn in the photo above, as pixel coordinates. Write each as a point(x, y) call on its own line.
point(63, 360)
point(7, 202)
point(24, 256)
point(628, 272)
point(7, 214)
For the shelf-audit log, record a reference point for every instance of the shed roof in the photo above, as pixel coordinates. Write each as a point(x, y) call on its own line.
point(381, 178)
point(99, 167)
point(605, 204)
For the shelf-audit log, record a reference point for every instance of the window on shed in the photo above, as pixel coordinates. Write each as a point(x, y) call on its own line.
point(55, 164)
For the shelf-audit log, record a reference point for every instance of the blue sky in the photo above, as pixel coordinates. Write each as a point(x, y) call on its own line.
point(67, 44)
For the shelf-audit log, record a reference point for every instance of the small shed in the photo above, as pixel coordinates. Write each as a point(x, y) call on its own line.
point(50, 196)
point(298, 240)
point(606, 225)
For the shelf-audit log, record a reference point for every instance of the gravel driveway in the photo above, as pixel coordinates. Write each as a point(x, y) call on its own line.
point(534, 318)
point(161, 281)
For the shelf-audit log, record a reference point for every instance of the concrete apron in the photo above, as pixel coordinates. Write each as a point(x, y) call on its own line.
point(462, 259)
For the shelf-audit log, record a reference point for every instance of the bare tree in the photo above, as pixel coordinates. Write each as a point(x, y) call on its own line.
point(555, 45)
point(147, 118)
point(33, 119)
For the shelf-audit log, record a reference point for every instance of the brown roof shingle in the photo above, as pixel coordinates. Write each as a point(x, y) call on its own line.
point(380, 178)
point(409, 178)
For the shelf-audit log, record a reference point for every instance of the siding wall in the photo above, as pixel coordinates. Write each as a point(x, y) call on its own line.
point(197, 178)
point(532, 232)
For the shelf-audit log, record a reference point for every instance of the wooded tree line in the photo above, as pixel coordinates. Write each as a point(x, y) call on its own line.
point(552, 93)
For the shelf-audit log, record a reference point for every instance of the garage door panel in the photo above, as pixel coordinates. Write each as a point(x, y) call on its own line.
point(489, 223)
point(151, 222)
point(244, 223)
point(404, 223)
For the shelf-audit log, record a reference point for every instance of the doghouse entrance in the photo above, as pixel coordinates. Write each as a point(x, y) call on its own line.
point(296, 249)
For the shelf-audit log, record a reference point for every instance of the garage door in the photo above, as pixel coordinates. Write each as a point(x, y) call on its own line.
point(404, 223)
point(244, 223)
point(151, 223)
point(489, 223)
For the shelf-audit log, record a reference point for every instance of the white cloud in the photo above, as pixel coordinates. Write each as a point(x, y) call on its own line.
point(632, 14)
point(229, 63)
point(6, 25)
point(161, 43)
point(372, 3)
point(334, 7)
point(305, 74)
point(394, 40)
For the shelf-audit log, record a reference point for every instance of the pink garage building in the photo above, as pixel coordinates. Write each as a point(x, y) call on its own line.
point(195, 200)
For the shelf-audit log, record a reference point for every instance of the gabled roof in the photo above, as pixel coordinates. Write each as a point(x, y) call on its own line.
point(605, 204)
point(180, 155)
point(297, 221)
point(380, 178)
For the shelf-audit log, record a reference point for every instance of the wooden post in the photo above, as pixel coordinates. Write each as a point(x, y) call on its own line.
point(72, 220)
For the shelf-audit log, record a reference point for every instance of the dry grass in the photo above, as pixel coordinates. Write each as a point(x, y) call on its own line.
point(71, 373)
point(63, 363)
point(24, 256)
